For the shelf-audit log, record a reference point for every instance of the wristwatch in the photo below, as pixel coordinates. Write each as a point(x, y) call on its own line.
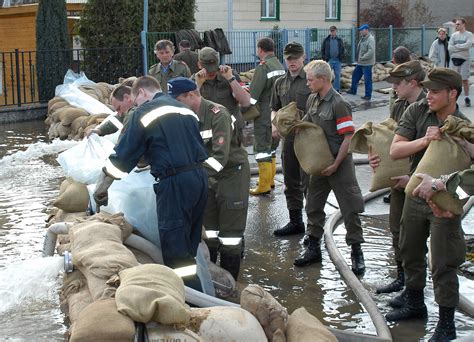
point(232, 79)
point(434, 187)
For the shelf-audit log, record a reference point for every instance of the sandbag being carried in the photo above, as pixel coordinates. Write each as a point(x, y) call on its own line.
point(152, 292)
point(312, 148)
point(100, 321)
point(272, 316)
point(286, 118)
point(303, 327)
point(377, 138)
point(442, 157)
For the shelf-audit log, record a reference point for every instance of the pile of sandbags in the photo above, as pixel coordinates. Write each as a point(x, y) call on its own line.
point(247, 76)
point(379, 73)
point(69, 122)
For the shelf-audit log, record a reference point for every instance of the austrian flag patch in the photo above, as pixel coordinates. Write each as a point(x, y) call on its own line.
point(220, 141)
point(345, 125)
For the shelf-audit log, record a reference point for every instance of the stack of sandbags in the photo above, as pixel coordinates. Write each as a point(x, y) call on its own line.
point(346, 76)
point(100, 91)
point(60, 117)
point(379, 72)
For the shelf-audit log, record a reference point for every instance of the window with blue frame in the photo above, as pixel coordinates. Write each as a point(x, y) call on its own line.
point(270, 10)
point(333, 10)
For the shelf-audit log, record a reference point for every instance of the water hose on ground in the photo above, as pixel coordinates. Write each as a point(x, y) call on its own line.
point(351, 280)
point(51, 236)
point(144, 246)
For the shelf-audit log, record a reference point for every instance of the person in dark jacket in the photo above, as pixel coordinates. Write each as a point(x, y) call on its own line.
point(187, 56)
point(332, 50)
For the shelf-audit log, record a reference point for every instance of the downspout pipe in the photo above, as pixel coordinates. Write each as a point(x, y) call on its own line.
point(49, 242)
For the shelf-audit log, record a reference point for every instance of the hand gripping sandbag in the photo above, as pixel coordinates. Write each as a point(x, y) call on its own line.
point(250, 113)
point(312, 148)
point(84, 162)
point(442, 157)
point(378, 138)
point(286, 118)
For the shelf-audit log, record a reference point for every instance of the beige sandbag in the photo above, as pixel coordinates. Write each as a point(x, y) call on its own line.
point(63, 131)
point(286, 118)
point(96, 119)
point(442, 157)
point(304, 327)
point(98, 252)
point(100, 321)
point(225, 323)
point(58, 105)
point(152, 292)
point(78, 123)
point(378, 138)
point(161, 332)
point(68, 114)
point(272, 316)
point(74, 199)
point(53, 131)
point(312, 149)
point(117, 219)
point(74, 295)
point(64, 184)
point(53, 101)
point(459, 128)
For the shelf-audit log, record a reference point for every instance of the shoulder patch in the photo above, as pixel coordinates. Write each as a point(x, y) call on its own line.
point(215, 109)
point(220, 141)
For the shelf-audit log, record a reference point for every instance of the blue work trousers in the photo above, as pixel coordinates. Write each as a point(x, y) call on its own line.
point(359, 71)
point(336, 67)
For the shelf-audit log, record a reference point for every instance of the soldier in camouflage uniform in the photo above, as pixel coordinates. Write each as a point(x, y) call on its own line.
point(225, 216)
point(288, 88)
point(167, 68)
point(218, 84)
point(261, 87)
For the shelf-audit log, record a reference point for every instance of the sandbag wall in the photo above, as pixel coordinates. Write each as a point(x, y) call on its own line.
point(68, 122)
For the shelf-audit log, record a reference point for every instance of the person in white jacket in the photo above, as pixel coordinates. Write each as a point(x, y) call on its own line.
point(439, 52)
point(459, 46)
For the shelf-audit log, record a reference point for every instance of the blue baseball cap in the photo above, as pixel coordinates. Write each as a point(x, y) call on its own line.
point(364, 27)
point(180, 85)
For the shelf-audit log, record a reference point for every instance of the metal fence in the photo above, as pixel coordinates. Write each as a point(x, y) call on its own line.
point(243, 43)
point(19, 70)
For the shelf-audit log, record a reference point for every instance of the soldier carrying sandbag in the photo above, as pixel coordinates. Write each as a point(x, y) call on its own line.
point(418, 127)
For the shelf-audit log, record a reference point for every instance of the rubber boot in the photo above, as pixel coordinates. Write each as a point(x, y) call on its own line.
point(311, 254)
point(231, 263)
point(274, 171)
point(357, 259)
point(414, 308)
point(397, 284)
point(445, 329)
point(264, 176)
point(399, 300)
point(295, 226)
point(213, 254)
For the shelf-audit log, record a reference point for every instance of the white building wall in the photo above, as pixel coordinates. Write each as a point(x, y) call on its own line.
point(212, 14)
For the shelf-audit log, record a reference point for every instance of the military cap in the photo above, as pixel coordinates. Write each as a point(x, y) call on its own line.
point(209, 59)
point(442, 78)
point(403, 71)
point(364, 27)
point(293, 49)
point(180, 85)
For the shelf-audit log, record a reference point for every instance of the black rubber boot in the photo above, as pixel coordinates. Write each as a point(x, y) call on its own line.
point(295, 226)
point(357, 259)
point(399, 300)
point(311, 254)
point(397, 284)
point(445, 329)
point(414, 308)
point(231, 263)
point(213, 254)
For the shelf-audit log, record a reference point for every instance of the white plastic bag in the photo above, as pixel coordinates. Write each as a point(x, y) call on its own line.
point(84, 162)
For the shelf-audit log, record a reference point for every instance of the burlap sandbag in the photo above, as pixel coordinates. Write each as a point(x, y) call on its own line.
point(58, 105)
point(75, 198)
point(442, 157)
point(53, 101)
point(116, 219)
point(459, 128)
point(272, 316)
point(303, 327)
point(68, 114)
point(152, 292)
point(74, 295)
point(63, 131)
point(98, 252)
point(64, 184)
point(312, 148)
point(100, 321)
point(96, 119)
point(78, 123)
point(286, 118)
point(378, 138)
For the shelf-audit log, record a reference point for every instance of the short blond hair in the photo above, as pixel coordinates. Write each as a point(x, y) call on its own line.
point(318, 68)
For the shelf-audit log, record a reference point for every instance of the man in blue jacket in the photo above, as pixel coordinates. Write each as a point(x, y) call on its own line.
point(166, 134)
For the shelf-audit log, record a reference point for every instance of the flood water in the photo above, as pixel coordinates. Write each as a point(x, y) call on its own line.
point(29, 304)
